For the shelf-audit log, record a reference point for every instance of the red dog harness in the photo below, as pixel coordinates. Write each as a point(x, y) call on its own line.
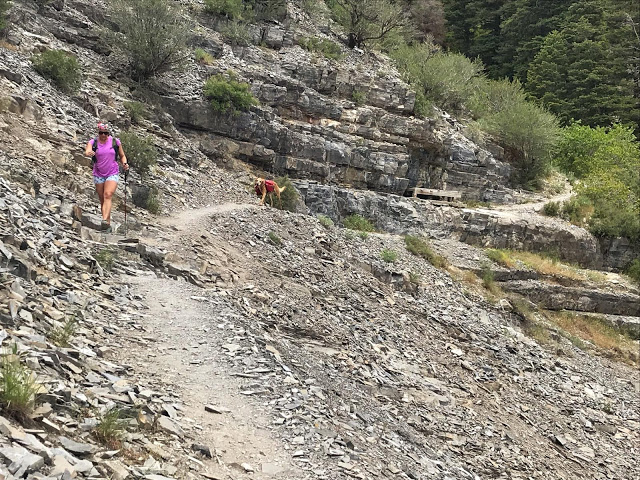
point(269, 185)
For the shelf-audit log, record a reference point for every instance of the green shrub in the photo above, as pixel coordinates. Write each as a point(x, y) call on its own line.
point(232, 9)
point(493, 96)
point(389, 256)
point(289, 197)
point(363, 235)
point(501, 257)
point(349, 235)
point(61, 335)
point(110, 428)
point(324, 46)
point(269, 9)
point(136, 110)
point(529, 134)
point(203, 57)
point(4, 8)
point(152, 35)
point(368, 21)
point(153, 202)
point(106, 258)
point(578, 210)
point(227, 94)
point(60, 67)
point(358, 97)
point(607, 160)
point(18, 384)
point(357, 222)
point(236, 32)
point(274, 238)
point(325, 221)
point(141, 153)
point(488, 277)
point(415, 278)
point(419, 247)
point(552, 209)
point(633, 270)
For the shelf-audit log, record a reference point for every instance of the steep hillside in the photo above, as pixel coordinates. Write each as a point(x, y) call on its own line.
point(220, 340)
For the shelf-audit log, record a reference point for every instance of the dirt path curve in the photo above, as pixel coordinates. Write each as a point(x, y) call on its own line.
point(186, 220)
point(189, 327)
point(534, 207)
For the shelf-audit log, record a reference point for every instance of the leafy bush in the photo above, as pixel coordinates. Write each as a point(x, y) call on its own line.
point(325, 221)
point(552, 209)
point(4, 7)
point(290, 196)
point(488, 281)
point(358, 97)
point(227, 94)
point(60, 67)
point(61, 335)
point(274, 238)
point(363, 235)
point(357, 222)
point(141, 153)
point(419, 247)
point(203, 57)
point(607, 161)
point(236, 32)
point(578, 210)
point(322, 45)
point(389, 256)
point(633, 270)
point(152, 35)
point(136, 111)
point(529, 134)
point(268, 9)
point(367, 21)
point(18, 384)
point(153, 202)
point(106, 258)
point(232, 9)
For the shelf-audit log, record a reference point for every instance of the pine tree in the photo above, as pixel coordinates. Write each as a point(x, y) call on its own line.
point(582, 70)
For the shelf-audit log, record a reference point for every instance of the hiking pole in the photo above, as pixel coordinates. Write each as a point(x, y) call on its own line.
point(126, 174)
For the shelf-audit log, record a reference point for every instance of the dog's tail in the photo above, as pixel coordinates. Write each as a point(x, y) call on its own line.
point(282, 189)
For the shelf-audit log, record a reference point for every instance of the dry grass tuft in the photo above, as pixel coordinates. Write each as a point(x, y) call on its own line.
point(611, 341)
point(543, 264)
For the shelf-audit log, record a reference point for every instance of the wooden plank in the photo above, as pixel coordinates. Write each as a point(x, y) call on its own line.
point(432, 192)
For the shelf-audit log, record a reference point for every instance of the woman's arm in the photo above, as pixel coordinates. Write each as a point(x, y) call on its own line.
point(123, 158)
point(88, 150)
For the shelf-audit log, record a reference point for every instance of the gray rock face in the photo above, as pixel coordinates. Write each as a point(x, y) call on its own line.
point(478, 227)
point(309, 135)
point(557, 297)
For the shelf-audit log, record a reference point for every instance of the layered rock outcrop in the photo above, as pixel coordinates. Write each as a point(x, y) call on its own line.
point(487, 228)
point(309, 127)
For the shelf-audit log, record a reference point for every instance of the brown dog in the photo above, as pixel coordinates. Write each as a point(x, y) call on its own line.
point(262, 187)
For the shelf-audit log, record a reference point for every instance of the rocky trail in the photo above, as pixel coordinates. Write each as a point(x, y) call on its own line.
point(220, 340)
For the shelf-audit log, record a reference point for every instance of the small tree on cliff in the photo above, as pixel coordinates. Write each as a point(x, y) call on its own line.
point(152, 36)
point(368, 20)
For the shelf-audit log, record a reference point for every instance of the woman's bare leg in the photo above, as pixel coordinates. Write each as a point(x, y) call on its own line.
point(100, 191)
point(109, 189)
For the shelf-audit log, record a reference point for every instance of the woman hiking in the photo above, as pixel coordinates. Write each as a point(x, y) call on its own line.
point(105, 169)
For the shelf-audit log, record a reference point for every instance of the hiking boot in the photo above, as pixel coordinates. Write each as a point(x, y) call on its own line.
point(108, 229)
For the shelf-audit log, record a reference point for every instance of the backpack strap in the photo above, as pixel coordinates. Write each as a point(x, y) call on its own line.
point(114, 144)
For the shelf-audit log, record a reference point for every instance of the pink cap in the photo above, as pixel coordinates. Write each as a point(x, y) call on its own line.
point(103, 126)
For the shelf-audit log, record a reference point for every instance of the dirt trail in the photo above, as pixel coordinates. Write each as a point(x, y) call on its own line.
point(190, 327)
